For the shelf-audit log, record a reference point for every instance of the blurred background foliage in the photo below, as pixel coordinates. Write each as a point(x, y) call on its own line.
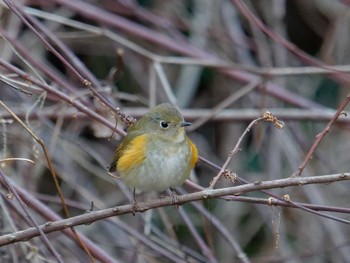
point(225, 51)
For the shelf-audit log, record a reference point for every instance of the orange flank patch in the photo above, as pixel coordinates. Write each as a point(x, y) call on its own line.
point(194, 157)
point(133, 155)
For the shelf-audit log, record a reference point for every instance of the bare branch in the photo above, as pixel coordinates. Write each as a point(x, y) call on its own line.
point(168, 201)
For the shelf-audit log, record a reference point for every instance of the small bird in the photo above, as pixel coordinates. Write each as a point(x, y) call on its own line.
point(156, 153)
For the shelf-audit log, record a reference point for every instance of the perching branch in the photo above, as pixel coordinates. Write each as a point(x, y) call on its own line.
point(94, 216)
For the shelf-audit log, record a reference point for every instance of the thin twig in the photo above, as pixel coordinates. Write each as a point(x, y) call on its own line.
point(30, 22)
point(250, 114)
point(31, 219)
point(6, 215)
point(47, 213)
point(226, 115)
point(165, 83)
point(321, 135)
point(197, 237)
point(53, 173)
point(182, 47)
point(205, 62)
point(17, 159)
point(224, 104)
point(284, 42)
point(233, 152)
point(269, 193)
point(62, 96)
point(222, 229)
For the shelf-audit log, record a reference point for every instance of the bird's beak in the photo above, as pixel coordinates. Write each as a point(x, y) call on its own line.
point(185, 123)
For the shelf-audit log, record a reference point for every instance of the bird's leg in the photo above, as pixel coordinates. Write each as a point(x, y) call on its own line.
point(174, 196)
point(134, 203)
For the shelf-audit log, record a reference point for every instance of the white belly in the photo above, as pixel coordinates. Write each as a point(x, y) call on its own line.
point(161, 170)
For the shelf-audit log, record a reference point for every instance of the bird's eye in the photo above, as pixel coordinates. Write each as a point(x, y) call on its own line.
point(164, 124)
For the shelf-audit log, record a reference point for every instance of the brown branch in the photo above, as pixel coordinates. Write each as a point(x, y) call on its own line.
point(224, 104)
point(226, 115)
point(232, 153)
point(306, 58)
point(250, 114)
point(241, 255)
point(267, 117)
point(196, 236)
point(48, 214)
point(64, 97)
point(320, 136)
point(267, 192)
point(179, 46)
point(168, 201)
point(30, 218)
point(57, 185)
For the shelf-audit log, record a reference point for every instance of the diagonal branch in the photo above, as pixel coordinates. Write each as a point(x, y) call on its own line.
point(321, 135)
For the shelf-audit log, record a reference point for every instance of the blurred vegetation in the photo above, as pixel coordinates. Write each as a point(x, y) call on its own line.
point(225, 51)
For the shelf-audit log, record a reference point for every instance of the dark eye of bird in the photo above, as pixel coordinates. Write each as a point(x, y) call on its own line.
point(164, 124)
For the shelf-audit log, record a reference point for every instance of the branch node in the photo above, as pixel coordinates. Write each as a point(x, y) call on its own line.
point(86, 83)
point(12, 238)
point(207, 193)
point(230, 176)
point(342, 176)
point(302, 182)
point(48, 223)
point(286, 197)
point(276, 122)
point(127, 119)
point(258, 182)
point(10, 196)
point(272, 201)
